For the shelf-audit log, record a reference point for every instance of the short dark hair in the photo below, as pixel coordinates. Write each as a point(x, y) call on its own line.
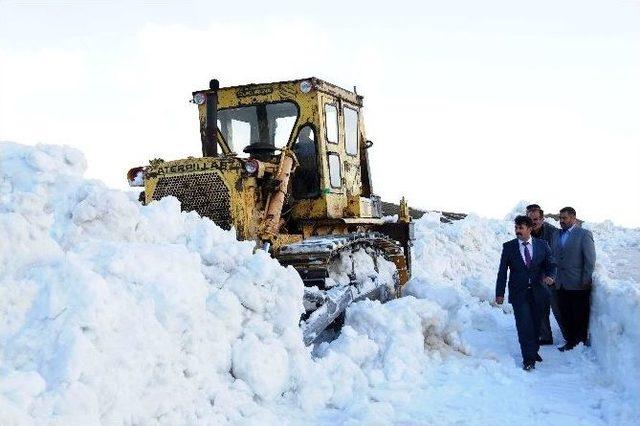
point(570, 210)
point(524, 220)
point(533, 207)
point(536, 210)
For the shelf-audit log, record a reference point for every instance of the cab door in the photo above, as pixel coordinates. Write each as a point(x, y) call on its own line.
point(350, 118)
point(334, 147)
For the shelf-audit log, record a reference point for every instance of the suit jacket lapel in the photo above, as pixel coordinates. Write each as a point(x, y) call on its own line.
point(519, 254)
point(571, 237)
point(535, 249)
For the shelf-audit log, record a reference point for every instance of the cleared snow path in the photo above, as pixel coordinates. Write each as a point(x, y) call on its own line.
point(489, 387)
point(566, 388)
point(471, 367)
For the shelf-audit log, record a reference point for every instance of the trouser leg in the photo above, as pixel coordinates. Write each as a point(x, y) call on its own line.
point(523, 312)
point(566, 312)
point(582, 309)
point(537, 298)
point(545, 324)
point(555, 307)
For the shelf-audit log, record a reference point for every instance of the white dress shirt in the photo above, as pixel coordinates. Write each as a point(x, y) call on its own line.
point(529, 247)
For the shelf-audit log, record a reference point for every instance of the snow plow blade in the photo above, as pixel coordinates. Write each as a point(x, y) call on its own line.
point(340, 270)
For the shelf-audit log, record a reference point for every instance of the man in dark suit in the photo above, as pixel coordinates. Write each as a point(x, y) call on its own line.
point(531, 266)
point(575, 251)
point(546, 231)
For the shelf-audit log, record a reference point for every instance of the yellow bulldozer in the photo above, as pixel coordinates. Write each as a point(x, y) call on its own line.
point(285, 164)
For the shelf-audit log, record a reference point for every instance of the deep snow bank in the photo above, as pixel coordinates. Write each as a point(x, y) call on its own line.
point(111, 312)
point(615, 313)
point(114, 313)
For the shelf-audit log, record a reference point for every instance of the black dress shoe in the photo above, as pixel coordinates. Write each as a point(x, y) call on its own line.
point(545, 342)
point(528, 365)
point(538, 358)
point(566, 347)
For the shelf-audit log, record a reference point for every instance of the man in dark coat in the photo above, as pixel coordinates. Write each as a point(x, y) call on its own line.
point(546, 231)
point(575, 251)
point(541, 229)
point(531, 266)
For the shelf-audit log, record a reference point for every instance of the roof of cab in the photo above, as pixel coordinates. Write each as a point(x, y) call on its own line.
point(318, 84)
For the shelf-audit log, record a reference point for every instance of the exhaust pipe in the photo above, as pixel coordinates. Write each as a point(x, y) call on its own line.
point(209, 145)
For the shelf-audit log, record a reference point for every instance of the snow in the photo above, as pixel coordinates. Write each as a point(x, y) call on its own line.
point(361, 264)
point(615, 322)
point(116, 313)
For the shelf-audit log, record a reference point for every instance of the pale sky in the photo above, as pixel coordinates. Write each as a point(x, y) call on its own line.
point(472, 105)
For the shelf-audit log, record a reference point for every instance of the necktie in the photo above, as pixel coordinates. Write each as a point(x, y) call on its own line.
point(527, 255)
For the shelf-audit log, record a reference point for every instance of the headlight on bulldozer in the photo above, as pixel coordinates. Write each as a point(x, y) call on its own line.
point(135, 176)
point(199, 98)
point(306, 86)
point(251, 166)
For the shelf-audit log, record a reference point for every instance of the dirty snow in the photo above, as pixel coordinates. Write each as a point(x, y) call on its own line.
point(115, 313)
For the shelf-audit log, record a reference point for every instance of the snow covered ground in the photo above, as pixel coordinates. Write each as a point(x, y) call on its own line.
point(115, 313)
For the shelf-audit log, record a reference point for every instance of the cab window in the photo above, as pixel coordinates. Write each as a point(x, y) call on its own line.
point(351, 130)
point(331, 123)
point(266, 124)
point(335, 177)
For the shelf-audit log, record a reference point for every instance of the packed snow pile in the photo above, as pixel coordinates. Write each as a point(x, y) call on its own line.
point(111, 312)
point(615, 313)
point(117, 313)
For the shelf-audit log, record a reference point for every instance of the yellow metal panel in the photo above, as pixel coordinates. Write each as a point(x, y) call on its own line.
point(242, 190)
point(310, 209)
point(336, 205)
point(284, 239)
point(359, 207)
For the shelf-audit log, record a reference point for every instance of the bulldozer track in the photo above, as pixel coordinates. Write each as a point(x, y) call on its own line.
point(312, 259)
point(312, 256)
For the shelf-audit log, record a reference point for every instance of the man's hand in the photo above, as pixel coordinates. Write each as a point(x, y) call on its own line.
point(548, 281)
point(499, 300)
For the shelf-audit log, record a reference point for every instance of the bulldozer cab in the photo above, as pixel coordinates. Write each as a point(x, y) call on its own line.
point(319, 122)
point(285, 165)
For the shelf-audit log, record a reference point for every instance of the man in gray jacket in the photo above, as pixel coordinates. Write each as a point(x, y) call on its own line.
point(546, 231)
point(575, 254)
